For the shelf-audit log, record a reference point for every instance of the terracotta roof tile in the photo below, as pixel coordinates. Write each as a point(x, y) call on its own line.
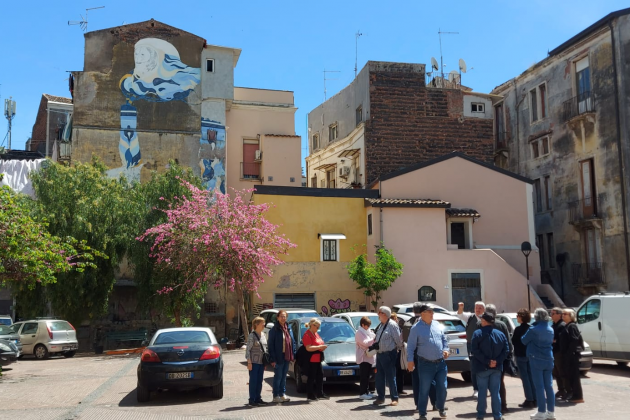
point(61, 99)
point(462, 213)
point(407, 202)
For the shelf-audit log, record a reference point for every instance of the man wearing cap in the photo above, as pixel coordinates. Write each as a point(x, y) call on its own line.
point(429, 345)
point(490, 349)
point(389, 341)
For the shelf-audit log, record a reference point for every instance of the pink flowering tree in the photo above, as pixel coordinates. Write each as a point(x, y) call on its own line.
point(217, 240)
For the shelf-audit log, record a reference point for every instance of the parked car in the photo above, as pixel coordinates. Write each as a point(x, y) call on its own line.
point(8, 333)
point(340, 364)
point(586, 361)
point(8, 353)
point(354, 318)
point(270, 316)
point(408, 308)
point(42, 337)
point(6, 320)
point(181, 358)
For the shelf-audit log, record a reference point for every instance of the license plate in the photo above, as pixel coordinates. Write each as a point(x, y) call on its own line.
point(68, 348)
point(453, 351)
point(349, 372)
point(180, 375)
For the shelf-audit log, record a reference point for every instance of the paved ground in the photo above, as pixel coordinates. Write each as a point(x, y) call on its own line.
point(104, 388)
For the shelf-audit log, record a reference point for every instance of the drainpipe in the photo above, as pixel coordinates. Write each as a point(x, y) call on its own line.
point(620, 151)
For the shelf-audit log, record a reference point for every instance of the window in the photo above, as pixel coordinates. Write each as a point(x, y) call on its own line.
point(535, 150)
point(359, 115)
point(332, 132)
point(426, 294)
point(330, 249)
point(315, 141)
point(369, 224)
point(29, 328)
point(548, 196)
point(210, 65)
point(583, 84)
point(545, 146)
point(533, 104)
point(589, 311)
point(357, 168)
point(314, 182)
point(542, 91)
point(323, 183)
point(541, 253)
point(477, 107)
point(292, 179)
point(551, 258)
point(330, 179)
point(538, 196)
point(460, 233)
point(250, 167)
point(539, 147)
point(589, 204)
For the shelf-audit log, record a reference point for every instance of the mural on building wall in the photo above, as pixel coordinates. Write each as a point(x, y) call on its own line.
point(212, 153)
point(336, 307)
point(159, 75)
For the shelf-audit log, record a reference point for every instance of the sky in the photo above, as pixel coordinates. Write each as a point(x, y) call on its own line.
point(286, 45)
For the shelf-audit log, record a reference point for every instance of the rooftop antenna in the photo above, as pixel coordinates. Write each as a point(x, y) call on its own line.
point(325, 78)
point(356, 51)
point(440, 32)
point(83, 23)
point(9, 113)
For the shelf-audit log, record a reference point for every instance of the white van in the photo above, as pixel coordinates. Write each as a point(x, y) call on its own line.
point(604, 323)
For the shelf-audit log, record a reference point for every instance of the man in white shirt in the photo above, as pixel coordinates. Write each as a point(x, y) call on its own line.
point(473, 323)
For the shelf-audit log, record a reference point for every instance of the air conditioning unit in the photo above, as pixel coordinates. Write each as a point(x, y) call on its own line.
point(258, 155)
point(344, 171)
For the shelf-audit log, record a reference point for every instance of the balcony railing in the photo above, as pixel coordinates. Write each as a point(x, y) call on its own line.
point(501, 138)
point(250, 170)
point(589, 274)
point(437, 79)
point(583, 210)
point(578, 105)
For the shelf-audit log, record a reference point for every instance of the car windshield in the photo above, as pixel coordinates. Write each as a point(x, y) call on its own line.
point(333, 332)
point(176, 337)
point(452, 326)
point(59, 326)
point(6, 330)
point(5, 321)
point(293, 315)
point(356, 321)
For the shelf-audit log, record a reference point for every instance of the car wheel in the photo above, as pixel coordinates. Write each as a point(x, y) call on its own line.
point(216, 391)
point(41, 352)
point(467, 376)
point(142, 393)
point(620, 363)
point(583, 373)
point(69, 354)
point(300, 386)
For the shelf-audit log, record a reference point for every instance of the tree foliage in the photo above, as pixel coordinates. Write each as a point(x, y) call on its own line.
point(375, 278)
point(219, 240)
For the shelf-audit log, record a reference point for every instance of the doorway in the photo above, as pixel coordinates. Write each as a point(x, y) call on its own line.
point(458, 235)
point(465, 287)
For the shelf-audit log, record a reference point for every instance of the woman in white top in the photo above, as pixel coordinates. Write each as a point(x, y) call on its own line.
point(364, 338)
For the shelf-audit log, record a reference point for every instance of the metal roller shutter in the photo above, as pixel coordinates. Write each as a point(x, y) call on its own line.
point(294, 300)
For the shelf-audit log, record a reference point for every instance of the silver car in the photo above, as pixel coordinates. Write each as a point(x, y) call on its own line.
point(10, 334)
point(45, 336)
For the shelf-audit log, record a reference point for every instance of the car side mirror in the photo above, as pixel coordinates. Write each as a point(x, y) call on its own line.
point(144, 343)
point(269, 325)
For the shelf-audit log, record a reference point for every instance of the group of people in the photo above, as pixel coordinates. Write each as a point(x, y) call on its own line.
point(541, 351)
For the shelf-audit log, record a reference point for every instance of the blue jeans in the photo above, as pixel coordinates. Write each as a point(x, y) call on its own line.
point(543, 384)
point(255, 382)
point(280, 379)
point(415, 385)
point(525, 372)
point(489, 379)
point(386, 372)
point(473, 374)
point(429, 372)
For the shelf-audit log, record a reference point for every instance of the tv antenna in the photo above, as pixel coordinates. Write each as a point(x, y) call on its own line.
point(356, 51)
point(325, 78)
point(440, 32)
point(83, 23)
point(9, 113)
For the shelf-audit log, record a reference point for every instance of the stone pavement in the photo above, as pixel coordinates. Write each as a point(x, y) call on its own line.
point(104, 388)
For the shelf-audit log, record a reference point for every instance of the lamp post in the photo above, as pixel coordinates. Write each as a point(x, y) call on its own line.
point(560, 259)
point(526, 249)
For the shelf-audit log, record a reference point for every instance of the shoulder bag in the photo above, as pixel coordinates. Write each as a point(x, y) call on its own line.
point(373, 349)
point(266, 359)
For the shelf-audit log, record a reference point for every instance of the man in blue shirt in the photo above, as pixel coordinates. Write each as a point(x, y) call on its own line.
point(428, 344)
point(489, 349)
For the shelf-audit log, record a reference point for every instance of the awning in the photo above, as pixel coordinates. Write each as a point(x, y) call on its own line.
point(349, 153)
point(452, 212)
point(331, 235)
point(325, 167)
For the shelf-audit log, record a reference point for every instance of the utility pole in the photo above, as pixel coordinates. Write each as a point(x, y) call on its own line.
point(356, 51)
point(9, 113)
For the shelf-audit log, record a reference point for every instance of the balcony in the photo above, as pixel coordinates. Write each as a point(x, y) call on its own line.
point(589, 275)
point(501, 140)
point(584, 213)
point(577, 106)
point(250, 170)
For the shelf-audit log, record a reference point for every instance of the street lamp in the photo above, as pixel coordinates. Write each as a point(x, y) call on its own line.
point(526, 249)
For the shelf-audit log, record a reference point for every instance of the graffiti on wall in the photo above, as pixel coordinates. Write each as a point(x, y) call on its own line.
point(336, 307)
point(212, 153)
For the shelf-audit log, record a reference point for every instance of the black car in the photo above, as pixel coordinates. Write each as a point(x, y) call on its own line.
point(181, 358)
point(340, 364)
point(8, 352)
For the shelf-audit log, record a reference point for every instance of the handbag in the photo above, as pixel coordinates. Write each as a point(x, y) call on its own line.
point(266, 359)
point(373, 349)
point(510, 367)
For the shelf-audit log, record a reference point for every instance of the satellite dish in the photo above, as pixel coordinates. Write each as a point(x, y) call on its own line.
point(453, 75)
point(462, 65)
point(434, 64)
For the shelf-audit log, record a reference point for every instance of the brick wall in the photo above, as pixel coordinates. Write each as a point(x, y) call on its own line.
point(39, 128)
point(410, 124)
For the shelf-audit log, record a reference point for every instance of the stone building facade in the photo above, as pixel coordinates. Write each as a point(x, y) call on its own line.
point(388, 118)
point(53, 115)
point(564, 123)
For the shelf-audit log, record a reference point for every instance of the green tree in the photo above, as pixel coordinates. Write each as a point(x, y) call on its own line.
point(83, 203)
point(375, 278)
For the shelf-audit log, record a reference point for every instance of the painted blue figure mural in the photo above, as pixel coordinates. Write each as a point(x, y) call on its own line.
point(212, 155)
point(128, 146)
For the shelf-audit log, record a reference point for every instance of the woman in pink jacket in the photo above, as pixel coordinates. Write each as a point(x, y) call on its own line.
point(364, 338)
